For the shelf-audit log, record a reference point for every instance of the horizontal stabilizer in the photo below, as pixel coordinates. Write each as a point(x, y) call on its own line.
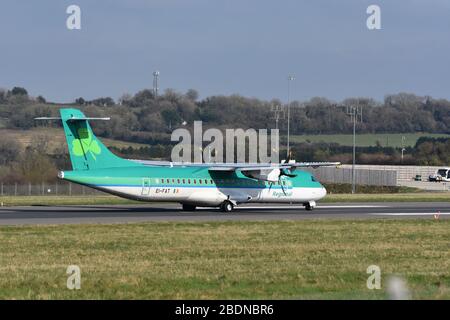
point(73, 118)
point(48, 118)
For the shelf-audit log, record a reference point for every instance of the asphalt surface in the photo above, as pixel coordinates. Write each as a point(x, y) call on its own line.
point(173, 212)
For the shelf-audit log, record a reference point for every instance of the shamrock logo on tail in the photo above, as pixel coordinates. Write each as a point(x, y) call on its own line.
point(85, 144)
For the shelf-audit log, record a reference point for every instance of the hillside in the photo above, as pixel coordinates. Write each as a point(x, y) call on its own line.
point(368, 140)
point(55, 138)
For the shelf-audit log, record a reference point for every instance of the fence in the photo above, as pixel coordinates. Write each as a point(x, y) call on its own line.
point(46, 189)
point(362, 176)
point(404, 173)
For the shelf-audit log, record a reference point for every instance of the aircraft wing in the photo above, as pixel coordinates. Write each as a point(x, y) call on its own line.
point(240, 166)
point(256, 167)
point(250, 166)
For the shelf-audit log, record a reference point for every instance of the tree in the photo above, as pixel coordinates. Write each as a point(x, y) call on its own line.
point(3, 98)
point(171, 117)
point(9, 150)
point(19, 91)
point(41, 99)
point(104, 102)
point(192, 95)
point(142, 98)
point(171, 95)
point(125, 99)
point(36, 167)
point(80, 101)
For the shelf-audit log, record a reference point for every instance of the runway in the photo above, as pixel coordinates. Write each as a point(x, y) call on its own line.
point(173, 212)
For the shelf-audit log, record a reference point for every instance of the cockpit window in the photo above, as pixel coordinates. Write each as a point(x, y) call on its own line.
point(313, 179)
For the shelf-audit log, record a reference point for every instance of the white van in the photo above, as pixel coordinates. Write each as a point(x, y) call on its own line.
point(442, 174)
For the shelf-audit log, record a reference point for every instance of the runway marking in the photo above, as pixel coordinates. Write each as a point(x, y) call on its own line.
point(300, 207)
point(350, 207)
point(409, 214)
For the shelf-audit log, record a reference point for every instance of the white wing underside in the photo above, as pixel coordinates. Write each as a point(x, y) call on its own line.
point(239, 166)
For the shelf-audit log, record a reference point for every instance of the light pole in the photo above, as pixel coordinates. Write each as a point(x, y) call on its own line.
point(403, 146)
point(290, 78)
point(276, 109)
point(155, 83)
point(354, 112)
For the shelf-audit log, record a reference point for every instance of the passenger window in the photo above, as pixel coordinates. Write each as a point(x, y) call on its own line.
point(178, 180)
point(206, 181)
point(184, 181)
point(189, 181)
point(199, 181)
point(195, 181)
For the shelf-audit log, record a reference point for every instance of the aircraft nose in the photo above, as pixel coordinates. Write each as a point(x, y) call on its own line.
point(323, 192)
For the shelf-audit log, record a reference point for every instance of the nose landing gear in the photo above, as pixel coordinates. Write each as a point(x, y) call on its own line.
point(309, 205)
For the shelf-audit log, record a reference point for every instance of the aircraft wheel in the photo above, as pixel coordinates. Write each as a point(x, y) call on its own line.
point(188, 207)
point(226, 206)
point(309, 205)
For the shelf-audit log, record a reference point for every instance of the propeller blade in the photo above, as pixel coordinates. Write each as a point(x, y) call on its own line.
point(284, 173)
point(282, 187)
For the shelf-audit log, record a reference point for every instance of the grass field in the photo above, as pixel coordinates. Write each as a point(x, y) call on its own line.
point(392, 140)
point(366, 140)
point(112, 200)
point(56, 138)
point(303, 259)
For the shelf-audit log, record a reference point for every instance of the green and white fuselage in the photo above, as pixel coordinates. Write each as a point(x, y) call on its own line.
point(192, 185)
point(197, 186)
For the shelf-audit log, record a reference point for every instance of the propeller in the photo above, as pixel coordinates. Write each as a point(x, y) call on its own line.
point(285, 172)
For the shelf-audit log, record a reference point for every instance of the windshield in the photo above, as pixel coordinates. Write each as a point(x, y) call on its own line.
point(442, 172)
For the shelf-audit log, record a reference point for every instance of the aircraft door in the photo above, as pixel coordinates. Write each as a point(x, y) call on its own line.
point(145, 186)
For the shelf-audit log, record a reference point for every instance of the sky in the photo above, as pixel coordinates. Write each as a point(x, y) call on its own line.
point(246, 47)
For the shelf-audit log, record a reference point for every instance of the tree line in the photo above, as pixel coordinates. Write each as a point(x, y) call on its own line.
point(146, 118)
point(143, 117)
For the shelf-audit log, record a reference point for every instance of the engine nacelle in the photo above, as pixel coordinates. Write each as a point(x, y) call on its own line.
point(271, 175)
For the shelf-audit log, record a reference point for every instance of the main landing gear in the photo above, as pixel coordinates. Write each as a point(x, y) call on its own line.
point(227, 206)
point(189, 207)
point(309, 205)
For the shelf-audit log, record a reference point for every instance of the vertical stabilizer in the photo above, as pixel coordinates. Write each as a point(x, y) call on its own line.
point(86, 151)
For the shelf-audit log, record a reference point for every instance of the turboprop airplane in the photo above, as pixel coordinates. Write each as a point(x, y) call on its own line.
point(193, 185)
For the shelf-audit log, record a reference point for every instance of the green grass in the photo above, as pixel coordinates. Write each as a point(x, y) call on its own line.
point(268, 260)
point(365, 140)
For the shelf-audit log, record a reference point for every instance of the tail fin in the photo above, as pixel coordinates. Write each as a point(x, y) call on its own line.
point(86, 151)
